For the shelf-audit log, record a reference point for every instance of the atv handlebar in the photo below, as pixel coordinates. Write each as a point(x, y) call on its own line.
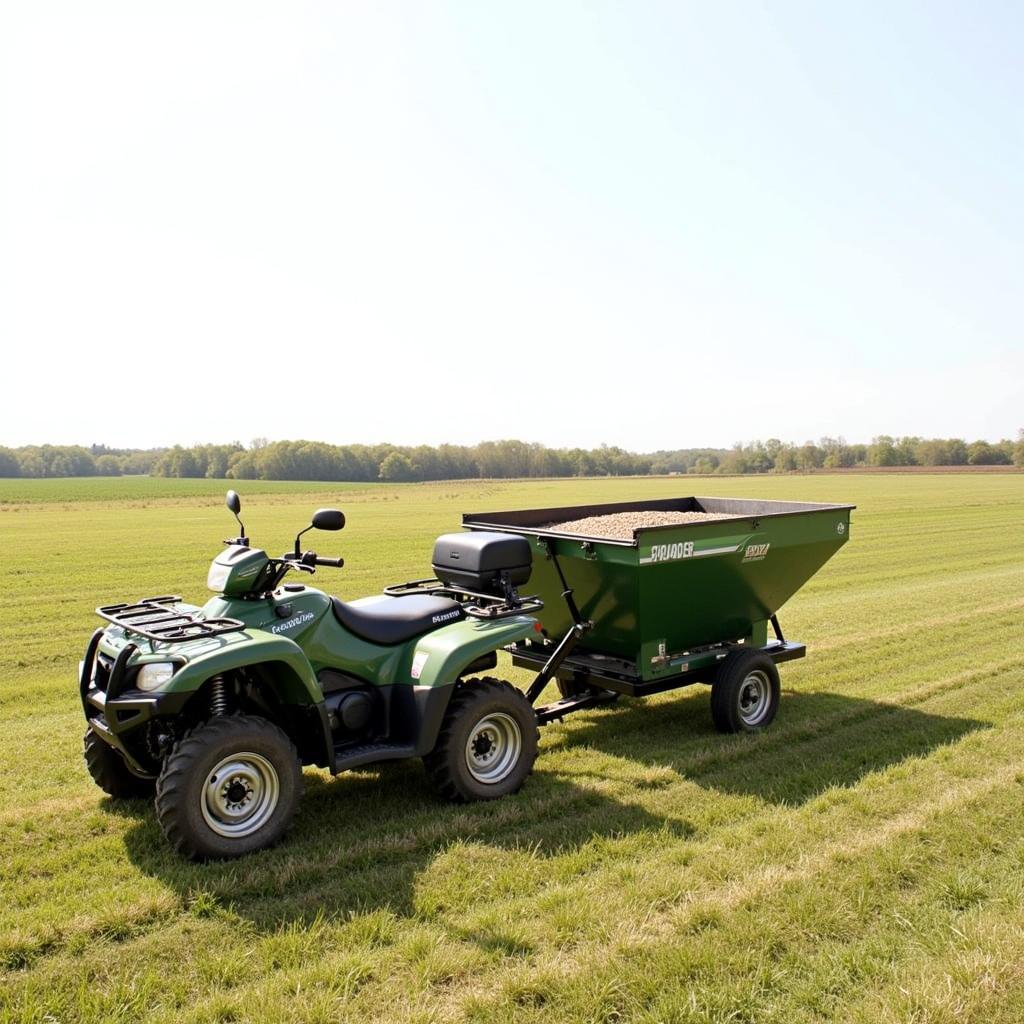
point(308, 560)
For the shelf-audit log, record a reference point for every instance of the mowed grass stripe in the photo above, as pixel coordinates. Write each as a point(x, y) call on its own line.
point(718, 779)
point(864, 674)
point(699, 912)
point(694, 746)
point(386, 905)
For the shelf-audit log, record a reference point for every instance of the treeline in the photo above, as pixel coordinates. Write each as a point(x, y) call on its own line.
point(315, 460)
point(46, 460)
point(834, 453)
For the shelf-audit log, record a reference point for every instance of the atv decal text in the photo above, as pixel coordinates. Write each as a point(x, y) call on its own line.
point(446, 616)
point(292, 623)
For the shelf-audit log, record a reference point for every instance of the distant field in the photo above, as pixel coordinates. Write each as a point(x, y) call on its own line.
point(141, 488)
point(137, 488)
point(863, 860)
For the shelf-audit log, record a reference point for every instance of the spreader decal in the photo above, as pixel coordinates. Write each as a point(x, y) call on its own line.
point(676, 550)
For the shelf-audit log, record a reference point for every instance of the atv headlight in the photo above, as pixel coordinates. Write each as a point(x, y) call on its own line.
point(154, 675)
point(217, 577)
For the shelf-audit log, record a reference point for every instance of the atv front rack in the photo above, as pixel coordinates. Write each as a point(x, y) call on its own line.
point(154, 619)
point(480, 606)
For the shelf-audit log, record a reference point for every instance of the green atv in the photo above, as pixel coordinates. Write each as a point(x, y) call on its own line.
point(215, 709)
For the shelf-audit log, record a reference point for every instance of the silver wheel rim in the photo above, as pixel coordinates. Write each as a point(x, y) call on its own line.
point(493, 747)
point(755, 697)
point(240, 795)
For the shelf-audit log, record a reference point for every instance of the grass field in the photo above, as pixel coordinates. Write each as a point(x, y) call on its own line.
point(863, 860)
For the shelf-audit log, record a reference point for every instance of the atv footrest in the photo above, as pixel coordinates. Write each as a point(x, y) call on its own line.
point(346, 757)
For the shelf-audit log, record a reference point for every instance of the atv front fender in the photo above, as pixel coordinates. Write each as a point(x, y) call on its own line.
point(277, 656)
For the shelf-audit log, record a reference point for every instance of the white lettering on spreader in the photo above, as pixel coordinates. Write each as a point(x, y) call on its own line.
point(685, 549)
point(669, 552)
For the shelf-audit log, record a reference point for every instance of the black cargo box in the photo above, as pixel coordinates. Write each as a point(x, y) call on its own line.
point(475, 561)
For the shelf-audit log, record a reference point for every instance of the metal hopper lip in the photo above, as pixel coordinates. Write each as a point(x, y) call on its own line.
point(529, 520)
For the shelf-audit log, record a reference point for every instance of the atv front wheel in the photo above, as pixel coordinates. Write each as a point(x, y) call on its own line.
point(110, 772)
point(487, 745)
point(229, 787)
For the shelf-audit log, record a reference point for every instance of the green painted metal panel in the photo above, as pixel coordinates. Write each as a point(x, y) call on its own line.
point(675, 588)
point(441, 655)
point(309, 638)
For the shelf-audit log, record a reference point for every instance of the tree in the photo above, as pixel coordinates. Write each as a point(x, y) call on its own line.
point(9, 465)
point(108, 465)
point(838, 454)
point(178, 462)
point(396, 468)
point(242, 467)
point(705, 465)
point(981, 453)
point(786, 459)
point(883, 452)
point(809, 457)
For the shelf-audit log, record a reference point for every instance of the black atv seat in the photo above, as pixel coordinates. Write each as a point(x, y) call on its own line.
point(397, 619)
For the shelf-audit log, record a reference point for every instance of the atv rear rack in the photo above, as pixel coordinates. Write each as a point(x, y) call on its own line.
point(154, 619)
point(480, 606)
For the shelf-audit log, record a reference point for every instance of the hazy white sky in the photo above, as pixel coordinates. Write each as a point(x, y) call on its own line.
point(654, 225)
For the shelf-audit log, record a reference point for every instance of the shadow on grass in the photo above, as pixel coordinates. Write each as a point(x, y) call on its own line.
point(364, 842)
point(818, 740)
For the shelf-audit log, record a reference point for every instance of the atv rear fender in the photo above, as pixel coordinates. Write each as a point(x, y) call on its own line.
point(441, 657)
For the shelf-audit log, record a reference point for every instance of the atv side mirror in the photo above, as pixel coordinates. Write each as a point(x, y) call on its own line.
point(234, 504)
point(323, 519)
point(328, 519)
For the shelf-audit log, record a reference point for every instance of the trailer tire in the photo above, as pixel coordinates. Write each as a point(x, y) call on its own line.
point(487, 743)
point(110, 771)
point(745, 692)
point(229, 787)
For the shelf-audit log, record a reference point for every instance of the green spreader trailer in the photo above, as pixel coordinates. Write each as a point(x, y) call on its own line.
point(671, 605)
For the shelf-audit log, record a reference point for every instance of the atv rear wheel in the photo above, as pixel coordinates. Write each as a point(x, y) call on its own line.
point(487, 744)
point(110, 771)
point(229, 787)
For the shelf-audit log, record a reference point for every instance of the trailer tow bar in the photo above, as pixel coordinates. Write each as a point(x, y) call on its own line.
point(577, 631)
point(558, 655)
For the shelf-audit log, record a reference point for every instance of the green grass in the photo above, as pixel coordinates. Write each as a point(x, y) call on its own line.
point(863, 860)
point(141, 488)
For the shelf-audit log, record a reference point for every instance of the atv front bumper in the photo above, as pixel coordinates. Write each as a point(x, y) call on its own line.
point(113, 711)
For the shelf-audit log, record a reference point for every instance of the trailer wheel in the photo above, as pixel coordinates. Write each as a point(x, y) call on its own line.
point(229, 787)
point(487, 744)
point(745, 693)
point(110, 772)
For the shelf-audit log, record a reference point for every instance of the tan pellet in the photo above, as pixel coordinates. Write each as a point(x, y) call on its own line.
point(620, 525)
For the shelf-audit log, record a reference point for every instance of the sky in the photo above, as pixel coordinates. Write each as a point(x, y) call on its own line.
point(654, 225)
